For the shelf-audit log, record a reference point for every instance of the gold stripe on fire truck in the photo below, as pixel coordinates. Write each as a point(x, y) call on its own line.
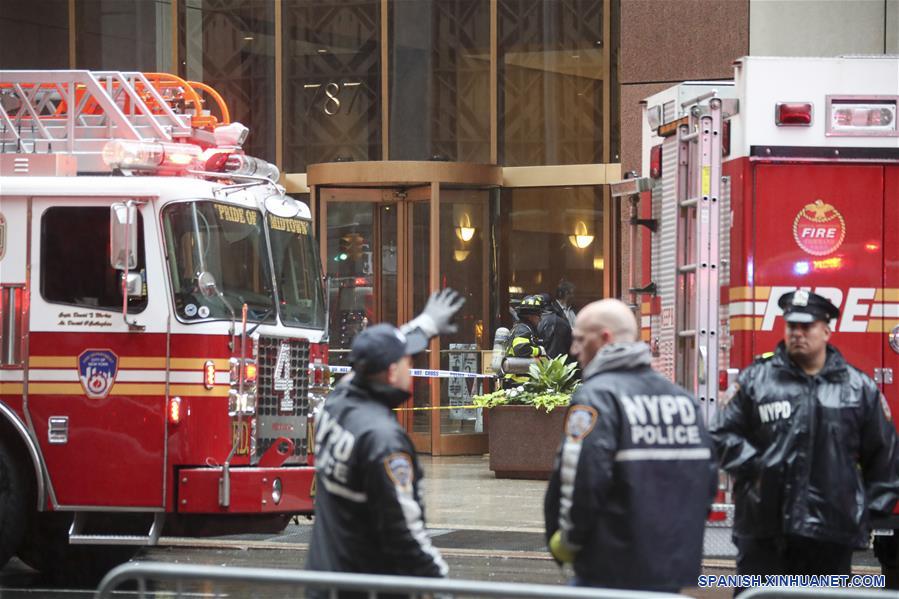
point(129, 362)
point(156, 389)
point(745, 293)
point(53, 362)
point(197, 364)
point(882, 326)
point(11, 388)
point(886, 295)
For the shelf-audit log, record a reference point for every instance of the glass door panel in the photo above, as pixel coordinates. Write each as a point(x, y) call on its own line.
point(464, 265)
point(360, 260)
point(379, 259)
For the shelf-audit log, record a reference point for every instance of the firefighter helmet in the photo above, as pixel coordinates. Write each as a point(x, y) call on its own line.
point(532, 304)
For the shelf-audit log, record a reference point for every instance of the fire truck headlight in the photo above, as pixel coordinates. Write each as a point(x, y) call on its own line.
point(276, 491)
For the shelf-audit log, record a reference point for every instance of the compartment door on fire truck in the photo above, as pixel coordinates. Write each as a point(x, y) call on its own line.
point(890, 308)
point(96, 388)
point(820, 226)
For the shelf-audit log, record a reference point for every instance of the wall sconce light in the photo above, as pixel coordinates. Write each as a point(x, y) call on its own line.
point(465, 231)
point(460, 255)
point(580, 239)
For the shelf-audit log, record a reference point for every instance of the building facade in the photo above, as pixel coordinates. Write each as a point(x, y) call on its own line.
point(462, 143)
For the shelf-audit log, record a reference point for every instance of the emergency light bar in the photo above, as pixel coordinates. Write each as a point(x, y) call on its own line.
point(157, 157)
point(166, 158)
point(856, 116)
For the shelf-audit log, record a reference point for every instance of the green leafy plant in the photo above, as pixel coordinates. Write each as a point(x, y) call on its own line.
point(550, 384)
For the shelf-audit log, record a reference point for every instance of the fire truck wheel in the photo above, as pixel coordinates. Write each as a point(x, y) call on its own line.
point(46, 549)
point(13, 505)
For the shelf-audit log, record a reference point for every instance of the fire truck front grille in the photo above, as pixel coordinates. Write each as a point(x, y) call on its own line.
point(282, 400)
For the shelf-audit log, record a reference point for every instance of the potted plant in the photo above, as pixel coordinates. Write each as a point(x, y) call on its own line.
point(526, 422)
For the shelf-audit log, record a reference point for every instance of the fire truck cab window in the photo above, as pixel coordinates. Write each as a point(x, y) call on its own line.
point(226, 241)
point(75, 259)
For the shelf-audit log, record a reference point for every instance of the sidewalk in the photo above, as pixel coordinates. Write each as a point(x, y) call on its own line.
point(462, 493)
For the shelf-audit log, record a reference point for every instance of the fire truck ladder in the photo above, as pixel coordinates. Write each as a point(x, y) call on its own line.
point(77, 112)
point(697, 287)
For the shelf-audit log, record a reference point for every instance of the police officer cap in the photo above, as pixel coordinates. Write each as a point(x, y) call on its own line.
point(379, 346)
point(805, 306)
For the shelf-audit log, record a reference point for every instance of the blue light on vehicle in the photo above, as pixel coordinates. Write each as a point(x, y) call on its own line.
point(801, 268)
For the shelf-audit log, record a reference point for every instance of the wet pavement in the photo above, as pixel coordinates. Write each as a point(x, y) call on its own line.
point(487, 529)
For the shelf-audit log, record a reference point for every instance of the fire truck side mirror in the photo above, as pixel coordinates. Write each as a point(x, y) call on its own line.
point(123, 236)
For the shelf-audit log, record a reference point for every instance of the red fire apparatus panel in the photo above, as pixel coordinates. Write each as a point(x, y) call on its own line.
point(890, 320)
point(819, 226)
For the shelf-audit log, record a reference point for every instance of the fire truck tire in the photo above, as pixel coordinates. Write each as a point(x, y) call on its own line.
point(13, 504)
point(46, 549)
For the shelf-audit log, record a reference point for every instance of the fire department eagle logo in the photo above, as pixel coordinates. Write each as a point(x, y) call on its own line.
point(97, 370)
point(819, 229)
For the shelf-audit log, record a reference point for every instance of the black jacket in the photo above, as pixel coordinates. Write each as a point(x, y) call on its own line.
point(369, 516)
point(810, 455)
point(523, 341)
point(555, 330)
point(636, 468)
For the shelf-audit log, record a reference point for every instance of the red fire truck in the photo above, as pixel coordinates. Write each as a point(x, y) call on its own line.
point(786, 177)
point(163, 322)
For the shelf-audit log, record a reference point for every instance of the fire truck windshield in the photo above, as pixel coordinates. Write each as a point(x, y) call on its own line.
point(228, 242)
point(297, 272)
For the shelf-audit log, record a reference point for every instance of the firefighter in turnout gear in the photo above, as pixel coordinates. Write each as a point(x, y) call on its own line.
point(523, 339)
point(635, 475)
point(369, 515)
point(810, 443)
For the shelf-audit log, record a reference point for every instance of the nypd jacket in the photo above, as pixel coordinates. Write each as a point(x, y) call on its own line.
point(811, 455)
point(634, 477)
point(369, 516)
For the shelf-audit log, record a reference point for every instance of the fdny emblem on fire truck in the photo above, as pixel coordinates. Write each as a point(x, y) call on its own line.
point(97, 369)
point(819, 229)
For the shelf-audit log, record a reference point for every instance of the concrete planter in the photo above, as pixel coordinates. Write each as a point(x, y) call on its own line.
point(523, 441)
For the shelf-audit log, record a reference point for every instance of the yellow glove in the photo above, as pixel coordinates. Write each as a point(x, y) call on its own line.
point(562, 552)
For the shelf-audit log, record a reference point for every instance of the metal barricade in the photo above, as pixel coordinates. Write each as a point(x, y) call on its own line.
point(142, 573)
point(817, 593)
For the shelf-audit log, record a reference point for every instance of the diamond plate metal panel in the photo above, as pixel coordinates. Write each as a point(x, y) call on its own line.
point(665, 263)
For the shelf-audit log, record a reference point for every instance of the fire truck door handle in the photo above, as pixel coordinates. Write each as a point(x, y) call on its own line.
point(700, 367)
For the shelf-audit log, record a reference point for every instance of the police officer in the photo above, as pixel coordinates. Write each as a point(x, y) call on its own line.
point(635, 476)
point(809, 442)
point(523, 339)
point(368, 507)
